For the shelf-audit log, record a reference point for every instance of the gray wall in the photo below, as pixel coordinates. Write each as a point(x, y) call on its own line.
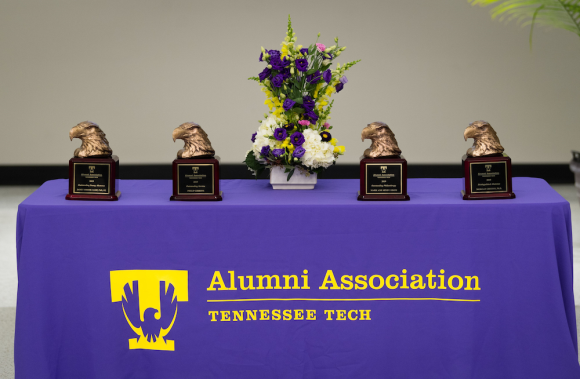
point(141, 68)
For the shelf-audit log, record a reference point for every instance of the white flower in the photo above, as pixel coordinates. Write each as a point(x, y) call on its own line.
point(265, 130)
point(318, 153)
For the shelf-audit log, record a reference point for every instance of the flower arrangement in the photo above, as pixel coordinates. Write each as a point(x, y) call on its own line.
point(298, 83)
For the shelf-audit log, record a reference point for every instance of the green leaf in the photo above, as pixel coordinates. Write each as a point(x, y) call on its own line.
point(298, 100)
point(290, 174)
point(311, 49)
point(311, 71)
point(252, 162)
point(562, 14)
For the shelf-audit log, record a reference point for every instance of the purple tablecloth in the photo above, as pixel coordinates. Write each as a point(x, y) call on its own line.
point(89, 271)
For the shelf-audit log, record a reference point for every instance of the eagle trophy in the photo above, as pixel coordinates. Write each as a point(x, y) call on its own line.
point(197, 144)
point(485, 140)
point(383, 140)
point(94, 143)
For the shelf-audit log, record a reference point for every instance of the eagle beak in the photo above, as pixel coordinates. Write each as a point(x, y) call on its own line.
point(364, 134)
point(467, 133)
point(177, 133)
point(72, 133)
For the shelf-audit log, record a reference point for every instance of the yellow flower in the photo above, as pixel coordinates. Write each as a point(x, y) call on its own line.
point(330, 90)
point(333, 142)
point(318, 87)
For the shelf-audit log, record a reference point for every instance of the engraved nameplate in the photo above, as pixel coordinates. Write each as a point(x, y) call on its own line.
point(195, 179)
point(384, 178)
point(488, 177)
point(91, 178)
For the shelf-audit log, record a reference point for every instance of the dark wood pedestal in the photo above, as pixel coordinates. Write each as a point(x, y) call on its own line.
point(383, 179)
point(93, 179)
point(487, 177)
point(196, 180)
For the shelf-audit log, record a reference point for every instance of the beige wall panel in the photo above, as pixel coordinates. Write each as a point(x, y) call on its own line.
point(141, 68)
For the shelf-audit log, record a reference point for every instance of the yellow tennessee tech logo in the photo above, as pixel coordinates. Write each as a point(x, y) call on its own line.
point(149, 300)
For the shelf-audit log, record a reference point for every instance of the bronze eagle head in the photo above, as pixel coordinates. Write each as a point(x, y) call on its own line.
point(485, 140)
point(383, 140)
point(197, 144)
point(94, 143)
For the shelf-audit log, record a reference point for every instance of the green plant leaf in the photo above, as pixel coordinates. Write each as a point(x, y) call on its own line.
point(252, 162)
point(290, 174)
point(562, 14)
point(298, 100)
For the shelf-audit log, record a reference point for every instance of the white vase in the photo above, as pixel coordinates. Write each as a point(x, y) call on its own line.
point(278, 179)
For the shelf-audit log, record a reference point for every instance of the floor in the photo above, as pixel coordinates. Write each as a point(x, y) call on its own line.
point(10, 197)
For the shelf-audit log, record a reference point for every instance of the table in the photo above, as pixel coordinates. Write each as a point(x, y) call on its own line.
point(323, 286)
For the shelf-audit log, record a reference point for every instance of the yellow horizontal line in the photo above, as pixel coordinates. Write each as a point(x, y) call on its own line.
point(373, 299)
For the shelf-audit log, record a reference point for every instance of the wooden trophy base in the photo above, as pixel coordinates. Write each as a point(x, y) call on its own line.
point(93, 179)
point(218, 197)
point(114, 197)
point(383, 179)
point(488, 177)
point(196, 179)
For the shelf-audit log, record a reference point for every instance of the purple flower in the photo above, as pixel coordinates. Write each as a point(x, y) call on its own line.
point(261, 56)
point(265, 151)
point(286, 73)
point(325, 136)
point(314, 78)
point(288, 104)
point(301, 64)
point(339, 87)
point(327, 76)
point(274, 53)
point(312, 116)
point(280, 134)
point(278, 80)
point(265, 74)
point(299, 152)
point(277, 63)
point(278, 152)
point(289, 127)
point(307, 103)
point(297, 139)
point(254, 137)
point(331, 57)
point(304, 51)
point(344, 80)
